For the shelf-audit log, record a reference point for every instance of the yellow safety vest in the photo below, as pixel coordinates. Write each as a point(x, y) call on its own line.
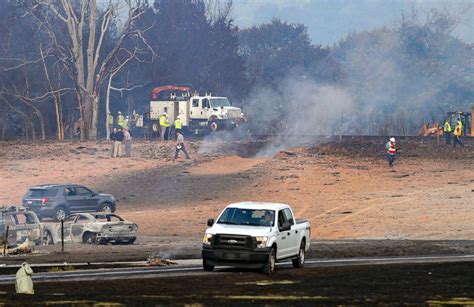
point(447, 127)
point(163, 122)
point(120, 120)
point(178, 124)
point(458, 130)
point(110, 120)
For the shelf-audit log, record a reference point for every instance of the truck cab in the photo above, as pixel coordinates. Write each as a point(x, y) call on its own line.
point(197, 112)
point(255, 235)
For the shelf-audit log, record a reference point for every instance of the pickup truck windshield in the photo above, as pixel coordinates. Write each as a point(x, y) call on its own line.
point(219, 102)
point(252, 217)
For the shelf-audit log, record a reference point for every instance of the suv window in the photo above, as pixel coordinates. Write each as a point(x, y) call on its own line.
point(195, 103)
point(69, 192)
point(83, 191)
point(42, 193)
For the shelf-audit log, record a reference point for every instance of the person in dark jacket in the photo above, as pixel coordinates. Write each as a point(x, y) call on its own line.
point(118, 143)
point(180, 145)
point(112, 137)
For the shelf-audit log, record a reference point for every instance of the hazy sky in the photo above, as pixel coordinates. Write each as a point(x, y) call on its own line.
point(330, 20)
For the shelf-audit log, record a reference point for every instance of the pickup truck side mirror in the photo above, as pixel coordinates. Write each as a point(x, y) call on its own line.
point(210, 222)
point(286, 226)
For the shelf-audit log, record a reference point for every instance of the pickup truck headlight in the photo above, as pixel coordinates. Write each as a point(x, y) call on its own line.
point(207, 239)
point(261, 242)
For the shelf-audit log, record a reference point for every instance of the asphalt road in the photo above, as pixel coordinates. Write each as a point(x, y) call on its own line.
point(193, 267)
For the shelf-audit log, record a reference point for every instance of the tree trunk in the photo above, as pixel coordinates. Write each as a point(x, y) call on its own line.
point(107, 108)
point(93, 132)
point(59, 118)
point(40, 116)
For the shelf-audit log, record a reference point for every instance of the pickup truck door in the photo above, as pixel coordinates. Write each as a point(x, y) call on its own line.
point(283, 238)
point(294, 234)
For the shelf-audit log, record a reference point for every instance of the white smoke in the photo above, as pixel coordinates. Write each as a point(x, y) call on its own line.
point(300, 111)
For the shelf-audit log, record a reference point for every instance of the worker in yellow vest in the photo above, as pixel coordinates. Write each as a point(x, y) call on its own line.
point(457, 134)
point(164, 126)
point(120, 120)
point(447, 132)
point(110, 121)
point(178, 125)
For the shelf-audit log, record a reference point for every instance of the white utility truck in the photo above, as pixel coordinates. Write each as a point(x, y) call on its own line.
point(255, 235)
point(197, 112)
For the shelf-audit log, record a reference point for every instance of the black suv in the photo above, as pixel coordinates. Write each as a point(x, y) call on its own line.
point(59, 200)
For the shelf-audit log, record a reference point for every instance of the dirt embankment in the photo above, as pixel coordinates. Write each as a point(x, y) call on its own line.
point(346, 190)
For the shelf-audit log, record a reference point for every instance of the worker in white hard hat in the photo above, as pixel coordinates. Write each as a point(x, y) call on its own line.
point(178, 124)
point(391, 151)
point(164, 126)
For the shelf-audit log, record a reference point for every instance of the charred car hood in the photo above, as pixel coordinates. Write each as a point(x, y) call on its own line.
point(243, 230)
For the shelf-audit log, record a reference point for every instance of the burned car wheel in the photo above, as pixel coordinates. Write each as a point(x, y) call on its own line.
point(89, 238)
point(48, 238)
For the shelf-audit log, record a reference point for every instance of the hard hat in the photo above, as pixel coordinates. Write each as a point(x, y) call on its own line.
point(119, 112)
point(164, 113)
point(126, 116)
point(392, 140)
point(178, 117)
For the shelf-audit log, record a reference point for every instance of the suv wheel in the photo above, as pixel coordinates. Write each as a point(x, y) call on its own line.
point(60, 213)
point(107, 208)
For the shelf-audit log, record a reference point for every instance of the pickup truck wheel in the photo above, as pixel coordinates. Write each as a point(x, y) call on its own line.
point(269, 267)
point(298, 262)
point(48, 238)
point(207, 267)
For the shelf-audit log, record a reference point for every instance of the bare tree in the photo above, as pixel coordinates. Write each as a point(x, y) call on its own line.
point(81, 49)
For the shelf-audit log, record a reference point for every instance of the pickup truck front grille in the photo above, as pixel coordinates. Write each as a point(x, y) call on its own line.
point(233, 241)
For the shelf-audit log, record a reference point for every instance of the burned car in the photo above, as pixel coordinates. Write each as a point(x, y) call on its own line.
point(96, 228)
point(22, 225)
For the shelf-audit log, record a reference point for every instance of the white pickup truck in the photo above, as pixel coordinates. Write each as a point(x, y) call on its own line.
point(255, 235)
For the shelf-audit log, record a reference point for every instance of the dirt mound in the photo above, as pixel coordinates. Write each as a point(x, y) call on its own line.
point(225, 165)
point(412, 147)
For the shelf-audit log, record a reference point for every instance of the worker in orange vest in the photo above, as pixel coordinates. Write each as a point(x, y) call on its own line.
point(391, 151)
